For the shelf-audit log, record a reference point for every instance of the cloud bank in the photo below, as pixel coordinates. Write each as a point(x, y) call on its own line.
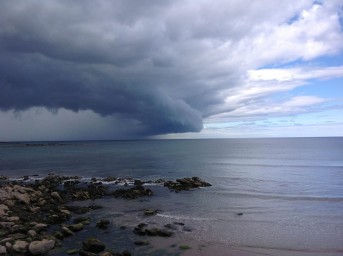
point(161, 67)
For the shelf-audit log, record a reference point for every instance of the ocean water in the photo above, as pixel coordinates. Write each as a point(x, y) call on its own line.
point(290, 191)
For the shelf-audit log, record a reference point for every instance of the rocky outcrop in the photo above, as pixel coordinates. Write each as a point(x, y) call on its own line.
point(186, 184)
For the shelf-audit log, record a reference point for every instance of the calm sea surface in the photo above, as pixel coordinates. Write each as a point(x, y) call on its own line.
point(290, 191)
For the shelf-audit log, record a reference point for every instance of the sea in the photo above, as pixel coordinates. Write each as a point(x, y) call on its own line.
point(278, 194)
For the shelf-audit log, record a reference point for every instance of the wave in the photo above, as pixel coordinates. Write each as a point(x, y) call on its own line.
point(183, 217)
point(279, 165)
point(285, 197)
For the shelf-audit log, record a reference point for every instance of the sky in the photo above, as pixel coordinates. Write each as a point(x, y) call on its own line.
point(125, 69)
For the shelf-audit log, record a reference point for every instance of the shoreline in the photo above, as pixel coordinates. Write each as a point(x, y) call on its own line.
point(73, 211)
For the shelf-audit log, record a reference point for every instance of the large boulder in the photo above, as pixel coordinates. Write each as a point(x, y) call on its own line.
point(41, 247)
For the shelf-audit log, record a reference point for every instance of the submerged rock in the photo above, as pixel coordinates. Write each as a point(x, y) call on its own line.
point(76, 227)
point(103, 224)
point(67, 232)
point(93, 245)
point(85, 253)
point(72, 251)
point(150, 212)
point(81, 220)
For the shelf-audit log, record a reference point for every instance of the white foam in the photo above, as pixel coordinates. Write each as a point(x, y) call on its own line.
point(183, 217)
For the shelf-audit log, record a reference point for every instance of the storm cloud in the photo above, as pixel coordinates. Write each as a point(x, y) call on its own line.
point(158, 66)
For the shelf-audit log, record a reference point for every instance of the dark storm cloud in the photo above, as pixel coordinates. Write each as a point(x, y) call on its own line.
point(89, 56)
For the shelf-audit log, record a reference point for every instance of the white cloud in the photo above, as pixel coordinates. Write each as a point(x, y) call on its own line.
point(293, 74)
point(301, 101)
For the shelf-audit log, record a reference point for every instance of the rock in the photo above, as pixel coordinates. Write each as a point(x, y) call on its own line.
point(171, 226)
point(138, 183)
point(8, 246)
point(18, 229)
point(81, 219)
point(67, 232)
point(109, 179)
point(3, 249)
point(186, 184)
point(152, 231)
point(59, 235)
point(139, 229)
point(19, 236)
point(165, 233)
point(141, 243)
point(32, 233)
point(95, 207)
point(126, 253)
point(41, 247)
point(65, 212)
point(132, 193)
point(187, 229)
point(72, 251)
point(93, 245)
point(76, 227)
point(42, 202)
point(106, 254)
point(22, 198)
point(56, 196)
point(10, 203)
point(20, 246)
point(85, 253)
point(6, 224)
point(3, 209)
point(103, 224)
point(5, 240)
point(14, 218)
point(78, 209)
point(70, 183)
point(150, 212)
point(40, 226)
point(184, 247)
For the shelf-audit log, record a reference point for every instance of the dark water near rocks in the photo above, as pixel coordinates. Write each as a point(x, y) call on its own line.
point(290, 191)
